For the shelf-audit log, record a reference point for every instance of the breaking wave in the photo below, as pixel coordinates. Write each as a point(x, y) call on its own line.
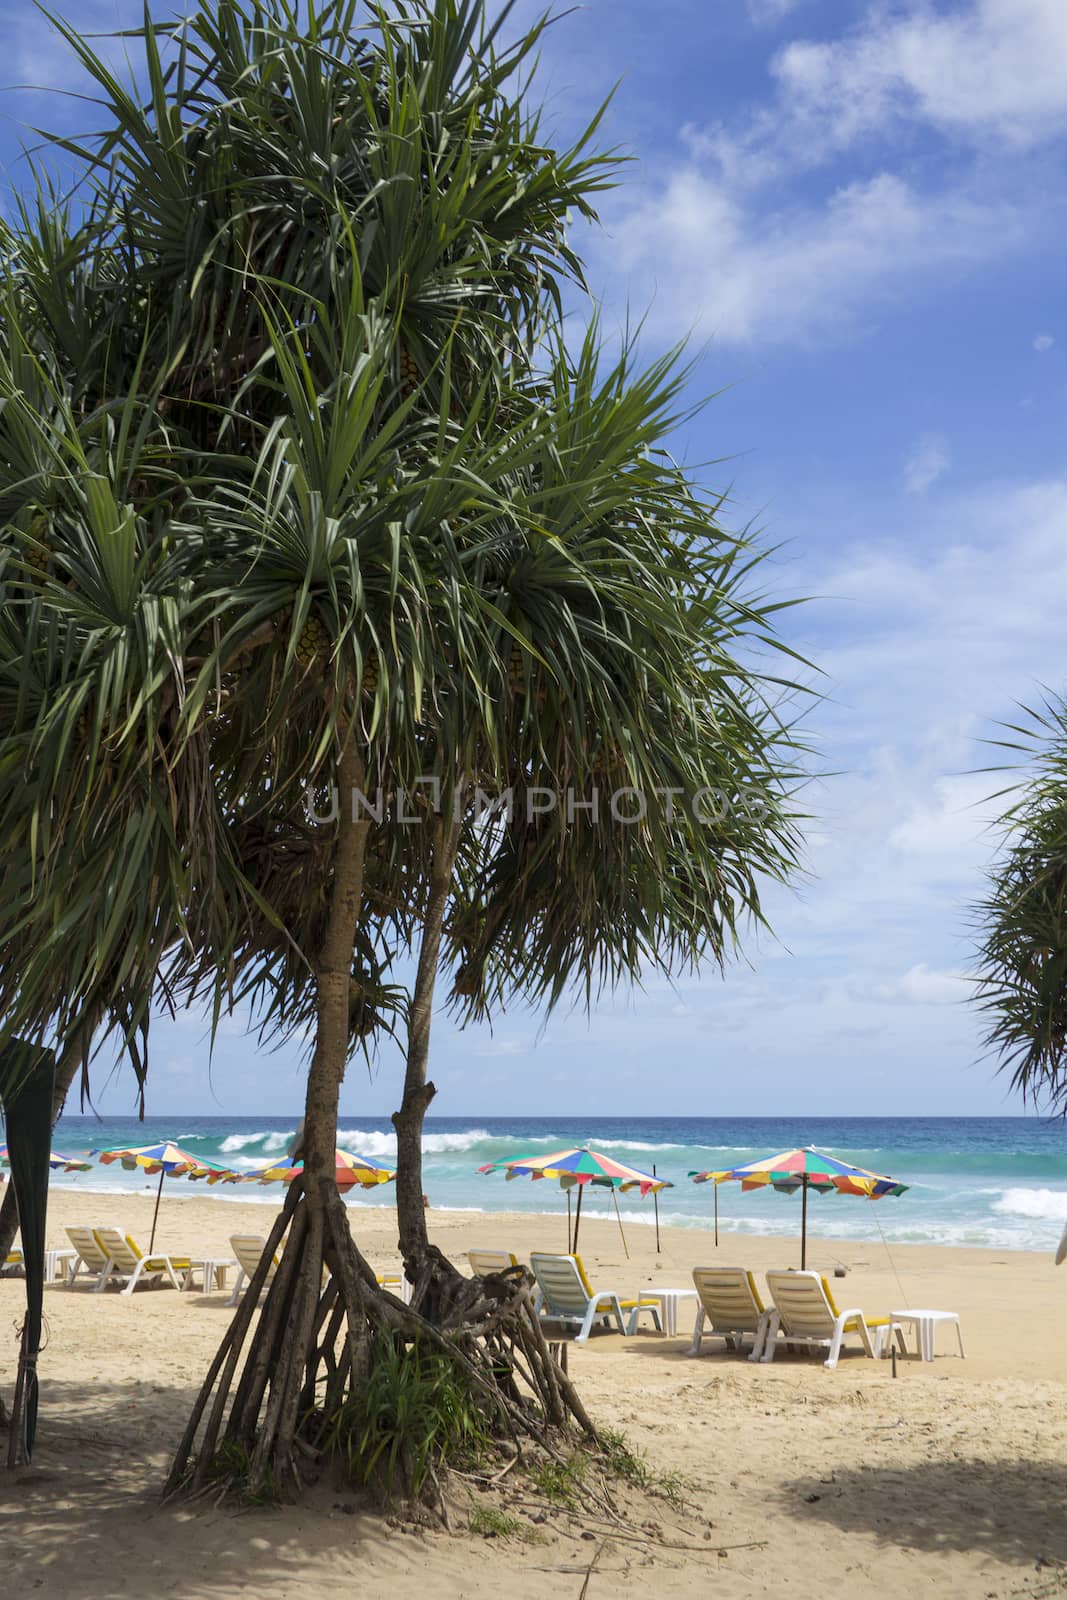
point(1051, 1203)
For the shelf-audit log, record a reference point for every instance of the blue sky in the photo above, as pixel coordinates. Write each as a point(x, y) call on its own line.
point(857, 215)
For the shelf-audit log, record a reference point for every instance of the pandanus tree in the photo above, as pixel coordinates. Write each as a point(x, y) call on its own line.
point(1022, 920)
point(314, 534)
point(646, 784)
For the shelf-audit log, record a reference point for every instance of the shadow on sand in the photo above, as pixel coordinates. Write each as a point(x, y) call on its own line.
point(1013, 1510)
point(85, 1518)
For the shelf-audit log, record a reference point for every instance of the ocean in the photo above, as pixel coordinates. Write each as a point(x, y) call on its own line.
point(989, 1181)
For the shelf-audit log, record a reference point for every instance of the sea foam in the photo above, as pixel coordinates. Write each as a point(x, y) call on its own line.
point(1050, 1203)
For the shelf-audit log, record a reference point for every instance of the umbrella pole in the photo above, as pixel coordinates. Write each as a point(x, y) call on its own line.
point(715, 1186)
point(655, 1202)
point(618, 1219)
point(155, 1214)
point(568, 1222)
point(577, 1220)
point(803, 1224)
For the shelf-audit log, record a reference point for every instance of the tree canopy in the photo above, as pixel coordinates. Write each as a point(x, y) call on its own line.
point(292, 435)
point(1022, 920)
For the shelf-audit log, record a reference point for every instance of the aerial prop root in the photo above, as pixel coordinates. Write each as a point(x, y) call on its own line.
point(275, 1383)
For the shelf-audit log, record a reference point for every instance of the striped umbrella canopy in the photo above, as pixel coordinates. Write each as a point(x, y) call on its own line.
point(166, 1158)
point(806, 1169)
point(577, 1168)
point(57, 1162)
point(351, 1170)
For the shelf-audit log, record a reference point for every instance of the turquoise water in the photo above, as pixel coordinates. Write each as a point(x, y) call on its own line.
point(995, 1181)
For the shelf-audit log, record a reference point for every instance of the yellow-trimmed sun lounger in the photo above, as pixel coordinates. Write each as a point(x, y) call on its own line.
point(568, 1296)
point(806, 1314)
point(483, 1261)
point(731, 1304)
point(88, 1253)
point(249, 1248)
point(126, 1259)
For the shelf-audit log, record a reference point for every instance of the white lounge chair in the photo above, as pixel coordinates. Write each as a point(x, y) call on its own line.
point(730, 1302)
point(88, 1253)
point(249, 1248)
point(126, 1259)
point(805, 1314)
point(568, 1296)
point(483, 1261)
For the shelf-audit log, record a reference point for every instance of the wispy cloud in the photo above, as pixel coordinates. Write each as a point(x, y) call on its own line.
point(985, 71)
point(923, 986)
point(504, 1047)
point(743, 273)
point(765, 13)
point(801, 216)
point(1043, 342)
point(927, 462)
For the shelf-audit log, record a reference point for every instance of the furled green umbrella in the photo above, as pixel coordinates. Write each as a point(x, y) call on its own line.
point(806, 1169)
point(27, 1076)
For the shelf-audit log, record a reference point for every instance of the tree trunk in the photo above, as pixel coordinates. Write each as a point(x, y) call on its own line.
point(277, 1383)
point(333, 977)
point(292, 1343)
point(69, 1064)
point(317, 1335)
point(418, 1092)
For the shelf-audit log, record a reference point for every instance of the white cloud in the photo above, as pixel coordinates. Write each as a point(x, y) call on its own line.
point(1043, 342)
point(503, 1047)
point(926, 463)
point(952, 820)
point(765, 13)
point(923, 986)
point(927, 647)
point(796, 272)
point(994, 70)
point(793, 220)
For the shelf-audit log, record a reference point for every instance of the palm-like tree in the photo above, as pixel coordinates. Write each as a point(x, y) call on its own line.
point(626, 693)
point(302, 492)
point(1022, 920)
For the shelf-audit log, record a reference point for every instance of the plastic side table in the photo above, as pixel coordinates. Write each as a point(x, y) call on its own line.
point(926, 1322)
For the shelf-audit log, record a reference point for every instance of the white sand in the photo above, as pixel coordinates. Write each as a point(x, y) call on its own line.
point(950, 1480)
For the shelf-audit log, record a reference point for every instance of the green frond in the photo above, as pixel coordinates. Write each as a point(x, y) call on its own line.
point(293, 450)
point(1022, 919)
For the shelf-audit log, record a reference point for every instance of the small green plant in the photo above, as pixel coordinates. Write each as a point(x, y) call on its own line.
point(231, 1460)
point(622, 1460)
point(559, 1481)
point(490, 1523)
point(232, 1464)
point(626, 1462)
point(413, 1413)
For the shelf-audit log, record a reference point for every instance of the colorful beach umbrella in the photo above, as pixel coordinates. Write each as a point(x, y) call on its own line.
point(577, 1168)
point(57, 1162)
point(806, 1169)
point(351, 1170)
point(166, 1158)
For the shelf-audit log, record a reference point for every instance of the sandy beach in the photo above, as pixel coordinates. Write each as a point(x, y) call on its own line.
point(947, 1480)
